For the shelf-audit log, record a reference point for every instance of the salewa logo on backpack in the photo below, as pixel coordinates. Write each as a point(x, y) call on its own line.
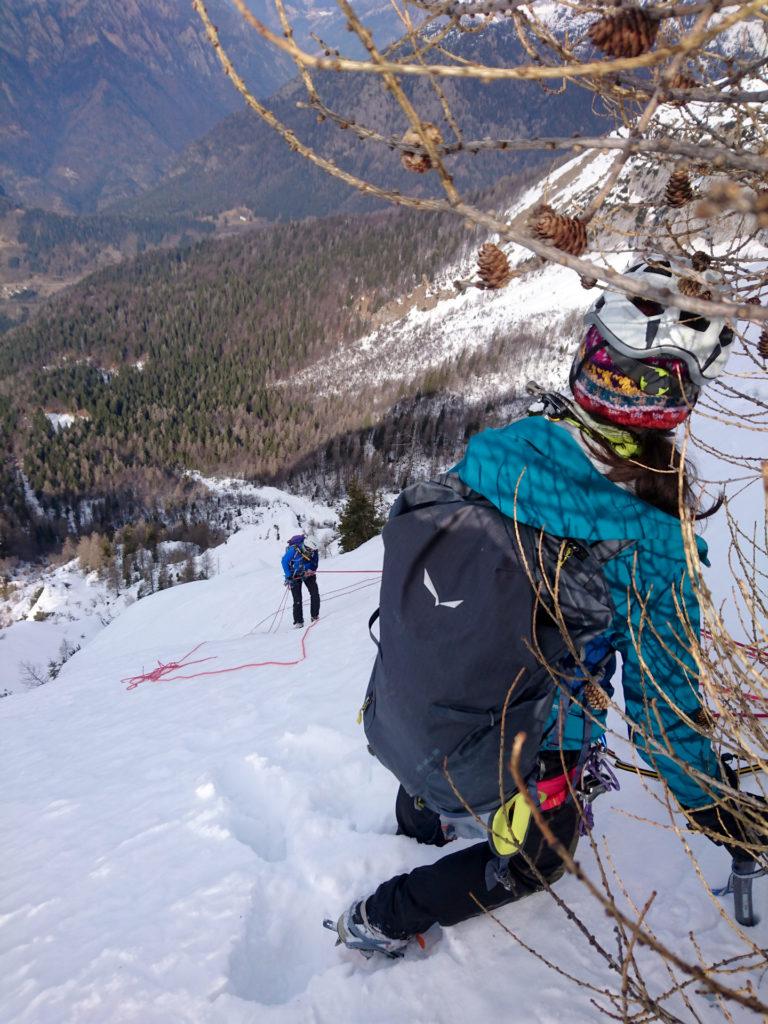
point(433, 591)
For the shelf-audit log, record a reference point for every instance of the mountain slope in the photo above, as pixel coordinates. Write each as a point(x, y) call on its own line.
point(174, 359)
point(244, 162)
point(312, 351)
point(98, 97)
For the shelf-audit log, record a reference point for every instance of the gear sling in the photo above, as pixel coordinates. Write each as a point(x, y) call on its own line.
point(468, 638)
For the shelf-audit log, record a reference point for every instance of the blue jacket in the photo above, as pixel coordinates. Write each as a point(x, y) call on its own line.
point(297, 562)
point(534, 470)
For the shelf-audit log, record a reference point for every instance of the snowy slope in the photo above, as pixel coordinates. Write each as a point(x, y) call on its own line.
point(542, 303)
point(62, 604)
point(171, 850)
point(436, 324)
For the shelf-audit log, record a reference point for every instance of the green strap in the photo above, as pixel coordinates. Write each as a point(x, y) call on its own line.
point(623, 442)
point(558, 407)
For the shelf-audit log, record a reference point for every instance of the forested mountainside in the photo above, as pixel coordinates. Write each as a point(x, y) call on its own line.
point(202, 358)
point(170, 362)
point(240, 175)
point(42, 252)
point(98, 97)
point(242, 162)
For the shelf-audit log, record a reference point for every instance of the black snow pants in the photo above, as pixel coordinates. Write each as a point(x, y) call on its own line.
point(442, 892)
point(314, 598)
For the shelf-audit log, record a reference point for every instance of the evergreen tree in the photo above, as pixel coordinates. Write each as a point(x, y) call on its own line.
point(206, 566)
point(361, 518)
point(127, 569)
point(113, 575)
point(163, 578)
point(189, 572)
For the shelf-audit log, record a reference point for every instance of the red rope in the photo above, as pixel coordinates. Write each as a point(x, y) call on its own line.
point(162, 671)
point(160, 674)
point(759, 654)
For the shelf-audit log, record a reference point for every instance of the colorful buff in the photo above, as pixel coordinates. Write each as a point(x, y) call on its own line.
point(654, 394)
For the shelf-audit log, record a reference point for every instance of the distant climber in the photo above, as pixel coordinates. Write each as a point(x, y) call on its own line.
point(300, 566)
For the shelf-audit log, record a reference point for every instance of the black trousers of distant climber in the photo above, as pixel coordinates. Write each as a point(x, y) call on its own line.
point(442, 892)
point(314, 599)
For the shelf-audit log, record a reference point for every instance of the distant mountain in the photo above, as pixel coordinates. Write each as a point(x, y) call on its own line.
point(242, 162)
point(98, 97)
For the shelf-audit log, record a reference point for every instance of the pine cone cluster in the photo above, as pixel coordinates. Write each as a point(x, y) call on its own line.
point(419, 163)
point(700, 261)
point(689, 287)
point(682, 80)
point(596, 697)
point(627, 33)
point(566, 233)
point(704, 718)
point(678, 191)
point(762, 341)
point(493, 266)
point(761, 208)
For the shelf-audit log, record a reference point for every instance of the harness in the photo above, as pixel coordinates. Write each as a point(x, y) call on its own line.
point(509, 826)
point(299, 572)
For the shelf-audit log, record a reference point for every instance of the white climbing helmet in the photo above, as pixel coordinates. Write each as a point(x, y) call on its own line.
point(645, 329)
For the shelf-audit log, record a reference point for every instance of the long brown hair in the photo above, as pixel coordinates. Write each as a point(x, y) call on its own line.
point(654, 473)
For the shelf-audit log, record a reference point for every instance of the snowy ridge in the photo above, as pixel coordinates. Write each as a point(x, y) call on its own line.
point(439, 326)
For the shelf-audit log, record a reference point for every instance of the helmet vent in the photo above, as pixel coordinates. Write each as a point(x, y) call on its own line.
point(658, 268)
point(693, 320)
point(651, 330)
point(648, 307)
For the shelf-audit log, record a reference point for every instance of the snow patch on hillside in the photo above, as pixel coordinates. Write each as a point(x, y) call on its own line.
point(60, 420)
point(543, 305)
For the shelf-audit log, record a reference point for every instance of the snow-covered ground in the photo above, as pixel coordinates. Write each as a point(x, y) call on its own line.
point(170, 851)
point(44, 609)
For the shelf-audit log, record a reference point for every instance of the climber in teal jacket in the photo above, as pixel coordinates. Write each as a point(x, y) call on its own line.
point(536, 470)
point(600, 466)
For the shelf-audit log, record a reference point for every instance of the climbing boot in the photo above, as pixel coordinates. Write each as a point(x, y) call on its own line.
point(355, 931)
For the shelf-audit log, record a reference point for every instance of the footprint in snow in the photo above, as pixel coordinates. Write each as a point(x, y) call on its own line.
point(283, 945)
point(260, 798)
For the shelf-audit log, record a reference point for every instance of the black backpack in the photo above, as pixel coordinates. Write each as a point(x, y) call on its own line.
point(460, 621)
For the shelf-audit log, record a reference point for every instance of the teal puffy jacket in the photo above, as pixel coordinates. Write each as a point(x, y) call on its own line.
point(533, 469)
